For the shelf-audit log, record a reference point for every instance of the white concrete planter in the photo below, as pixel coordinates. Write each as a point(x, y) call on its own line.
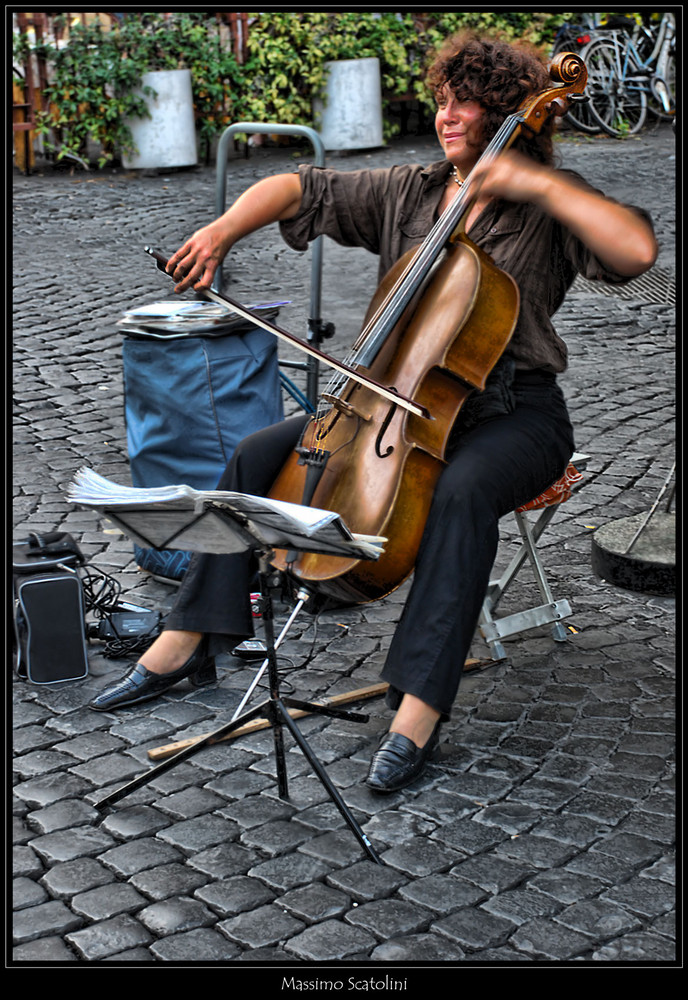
point(168, 137)
point(351, 118)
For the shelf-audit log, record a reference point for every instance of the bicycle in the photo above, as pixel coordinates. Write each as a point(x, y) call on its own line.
point(620, 80)
point(574, 38)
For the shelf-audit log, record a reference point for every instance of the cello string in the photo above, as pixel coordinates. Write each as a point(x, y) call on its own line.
point(414, 273)
point(405, 287)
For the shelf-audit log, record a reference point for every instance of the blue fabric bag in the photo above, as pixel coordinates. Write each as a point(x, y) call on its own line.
point(188, 402)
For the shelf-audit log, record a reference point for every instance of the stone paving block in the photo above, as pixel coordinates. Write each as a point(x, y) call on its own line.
point(200, 833)
point(521, 905)
point(26, 892)
point(367, 881)
point(138, 855)
point(76, 842)
point(337, 847)
point(330, 941)
point(134, 821)
point(277, 837)
point(223, 860)
point(107, 901)
point(268, 925)
point(418, 857)
point(566, 886)
point(629, 848)
point(647, 897)
point(61, 815)
point(44, 950)
point(168, 880)
point(298, 869)
point(236, 895)
point(541, 852)
point(511, 817)
point(41, 762)
point(44, 920)
point(108, 938)
point(637, 947)
point(598, 918)
point(395, 827)
point(442, 894)
point(190, 802)
point(315, 903)
point(605, 809)
point(175, 916)
point(71, 877)
point(430, 948)
point(472, 929)
point(200, 945)
point(494, 874)
point(469, 837)
point(390, 917)
point(546, 941)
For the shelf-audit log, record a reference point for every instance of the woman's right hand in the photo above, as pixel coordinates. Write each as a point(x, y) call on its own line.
point(195, 263)
point(269, 200)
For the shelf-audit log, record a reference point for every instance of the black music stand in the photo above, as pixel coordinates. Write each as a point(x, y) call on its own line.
point(274, 708)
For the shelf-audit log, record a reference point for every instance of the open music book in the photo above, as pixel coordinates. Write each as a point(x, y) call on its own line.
point(215, 521)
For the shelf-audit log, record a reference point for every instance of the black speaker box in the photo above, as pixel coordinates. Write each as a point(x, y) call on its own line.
point(49, 620)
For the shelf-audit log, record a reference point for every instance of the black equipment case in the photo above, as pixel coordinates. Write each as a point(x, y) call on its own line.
point(49, 616)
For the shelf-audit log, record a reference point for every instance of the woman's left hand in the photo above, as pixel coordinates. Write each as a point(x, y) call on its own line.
point(618, 236)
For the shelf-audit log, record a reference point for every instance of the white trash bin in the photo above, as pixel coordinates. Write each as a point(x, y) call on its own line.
point(351, 117)
point(168, 137)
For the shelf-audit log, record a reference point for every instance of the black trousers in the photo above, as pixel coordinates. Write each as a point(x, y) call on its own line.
point(495, 467)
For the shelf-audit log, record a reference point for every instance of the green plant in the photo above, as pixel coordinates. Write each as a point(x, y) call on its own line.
point(96, 80)
point(288, 51)
point(96, 77)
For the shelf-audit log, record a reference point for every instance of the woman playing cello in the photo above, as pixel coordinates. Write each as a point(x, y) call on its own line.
point(541, 225)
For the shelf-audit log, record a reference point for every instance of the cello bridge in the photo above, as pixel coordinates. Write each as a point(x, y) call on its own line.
point(346, 408)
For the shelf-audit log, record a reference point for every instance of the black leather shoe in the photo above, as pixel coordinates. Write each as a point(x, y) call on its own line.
point(142, 685)
point(398, 761)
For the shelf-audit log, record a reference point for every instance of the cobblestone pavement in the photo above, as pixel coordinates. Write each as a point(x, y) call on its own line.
point(545, 834)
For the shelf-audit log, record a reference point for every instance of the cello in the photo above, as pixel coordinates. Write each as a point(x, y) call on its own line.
point(436, 326)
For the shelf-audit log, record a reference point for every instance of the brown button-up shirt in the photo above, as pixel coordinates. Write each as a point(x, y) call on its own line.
point(388, 211)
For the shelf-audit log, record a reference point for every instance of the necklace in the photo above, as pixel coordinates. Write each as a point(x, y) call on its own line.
point(456, 177)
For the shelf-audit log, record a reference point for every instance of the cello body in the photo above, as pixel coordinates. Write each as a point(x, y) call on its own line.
point(383, 462)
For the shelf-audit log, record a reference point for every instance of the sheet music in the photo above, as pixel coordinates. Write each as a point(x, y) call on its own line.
point(179, 516)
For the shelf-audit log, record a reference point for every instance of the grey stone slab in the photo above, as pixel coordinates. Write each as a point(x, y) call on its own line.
point(107, 901)
point(315, 903)
point(261, 928)
point(44, 920)
point(168, 880)
point(474, 929)
point(419, 948)
point(330, 941)
point(44, 950)
point(137, 856)
point(546, 941)
point(199, 945)
point(175, 915)
point(75, 842)
point(238, 894)
point(108, 938)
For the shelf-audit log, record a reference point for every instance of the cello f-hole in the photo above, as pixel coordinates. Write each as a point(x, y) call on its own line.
point(383, 429)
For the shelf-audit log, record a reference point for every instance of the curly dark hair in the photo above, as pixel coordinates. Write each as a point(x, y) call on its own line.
point(499, 76)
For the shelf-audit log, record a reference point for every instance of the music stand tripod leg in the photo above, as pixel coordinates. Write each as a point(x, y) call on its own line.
point(280, 714)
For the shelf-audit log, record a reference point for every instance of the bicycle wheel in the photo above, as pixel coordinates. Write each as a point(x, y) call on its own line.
point(619, 105)
point(578, 116)
point(667, 76)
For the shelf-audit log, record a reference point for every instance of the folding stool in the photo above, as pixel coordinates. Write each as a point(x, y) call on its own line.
point(494, 629)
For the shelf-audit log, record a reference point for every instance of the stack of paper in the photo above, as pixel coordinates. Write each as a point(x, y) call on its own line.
point(170, 319)
point(181, 517)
